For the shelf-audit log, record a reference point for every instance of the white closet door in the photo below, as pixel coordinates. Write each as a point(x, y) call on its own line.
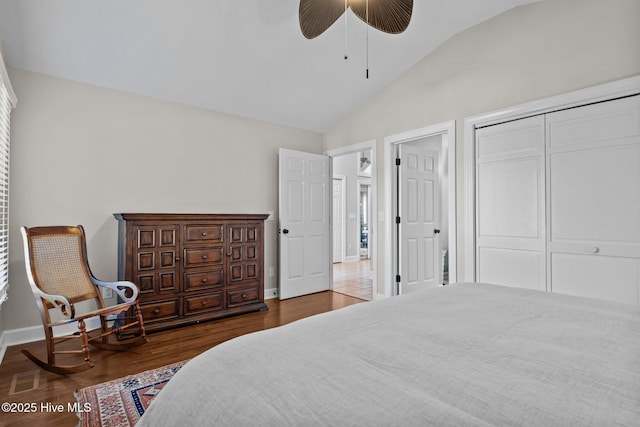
point(510, 204)
point(593, 167)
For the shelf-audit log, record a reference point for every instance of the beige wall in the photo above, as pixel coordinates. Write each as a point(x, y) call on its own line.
point(528, 53)
point(81, 153)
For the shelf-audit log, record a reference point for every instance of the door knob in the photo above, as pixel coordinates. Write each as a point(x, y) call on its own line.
point(436, 230)
point(285, 231)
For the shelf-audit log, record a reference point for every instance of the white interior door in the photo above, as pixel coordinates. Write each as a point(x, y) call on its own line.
point(304, 183)
point(338, 219)
point(419, 212)
point(594, 200)
point(510, 204)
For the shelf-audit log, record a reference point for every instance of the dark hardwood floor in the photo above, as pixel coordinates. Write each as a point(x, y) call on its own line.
point(22, 381)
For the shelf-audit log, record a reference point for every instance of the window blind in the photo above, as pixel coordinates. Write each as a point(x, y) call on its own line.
point(5, 115)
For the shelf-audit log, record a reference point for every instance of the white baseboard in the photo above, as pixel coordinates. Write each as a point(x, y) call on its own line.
point(3, 347)
point(36, 333)
point(271, 293)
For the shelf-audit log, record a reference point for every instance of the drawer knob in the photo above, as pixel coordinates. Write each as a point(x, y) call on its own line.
point(204, 234)
point(204, 303)
point(204, 257)
point(244, 296)
point(156, 311)
point(204, 280)
point(593, 249)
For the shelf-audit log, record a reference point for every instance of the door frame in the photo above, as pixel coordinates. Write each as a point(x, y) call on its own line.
point(373, 239)
point(600, 93)
point(448, 131)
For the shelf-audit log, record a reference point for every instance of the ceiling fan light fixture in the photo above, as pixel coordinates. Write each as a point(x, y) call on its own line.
point(389, 16)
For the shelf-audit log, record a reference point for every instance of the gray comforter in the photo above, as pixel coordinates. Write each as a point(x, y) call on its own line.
point(460, 355)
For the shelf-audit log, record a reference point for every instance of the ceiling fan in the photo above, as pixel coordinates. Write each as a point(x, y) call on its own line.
point(389, 16)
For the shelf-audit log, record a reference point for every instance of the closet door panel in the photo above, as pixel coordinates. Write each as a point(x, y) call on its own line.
point(511, 267)
point(510, 204)
point(602, 277)
point(595, 199)
point(592, 125)
point(593, 176)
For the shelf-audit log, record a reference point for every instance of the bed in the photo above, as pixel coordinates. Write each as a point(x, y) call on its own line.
point(459, 355)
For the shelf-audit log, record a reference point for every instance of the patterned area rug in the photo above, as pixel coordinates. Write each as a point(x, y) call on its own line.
point(122, 402)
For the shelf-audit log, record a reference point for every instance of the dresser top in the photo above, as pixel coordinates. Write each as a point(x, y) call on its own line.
point(187, 216)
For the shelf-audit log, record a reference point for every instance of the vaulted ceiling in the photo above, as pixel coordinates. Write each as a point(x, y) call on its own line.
point(243, 57)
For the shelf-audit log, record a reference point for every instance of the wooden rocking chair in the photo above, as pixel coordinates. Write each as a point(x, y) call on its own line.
point(59, 275)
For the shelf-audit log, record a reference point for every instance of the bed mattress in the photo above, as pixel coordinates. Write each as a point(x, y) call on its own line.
point(459, 355)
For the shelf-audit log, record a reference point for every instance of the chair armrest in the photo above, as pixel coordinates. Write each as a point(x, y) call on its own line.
point(60, 302)
point(120, 288)
point(106, 311)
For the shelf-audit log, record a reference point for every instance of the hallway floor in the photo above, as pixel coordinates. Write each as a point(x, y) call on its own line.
point(354, 279)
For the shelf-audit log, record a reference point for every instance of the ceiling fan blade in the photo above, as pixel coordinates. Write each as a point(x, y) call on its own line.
point(390, 16)
point(317, 15)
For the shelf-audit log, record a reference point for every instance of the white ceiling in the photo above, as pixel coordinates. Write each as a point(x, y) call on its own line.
point(243, 57)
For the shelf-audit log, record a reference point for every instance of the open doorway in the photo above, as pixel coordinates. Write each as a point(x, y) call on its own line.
point(353, 220)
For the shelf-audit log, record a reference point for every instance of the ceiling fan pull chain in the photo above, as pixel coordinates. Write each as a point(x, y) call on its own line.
point(346, 30)
point(367, 13)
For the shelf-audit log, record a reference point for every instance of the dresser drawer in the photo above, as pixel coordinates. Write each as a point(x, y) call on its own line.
point(160, 310)
point(242, 296)
point(203, 280)
point(204, 233)
point(203, 256)
point(200, 303)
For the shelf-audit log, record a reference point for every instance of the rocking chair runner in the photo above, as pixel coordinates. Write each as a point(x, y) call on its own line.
point(59, 275)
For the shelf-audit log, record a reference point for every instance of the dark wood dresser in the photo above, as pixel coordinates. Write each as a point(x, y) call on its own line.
point(192, 267)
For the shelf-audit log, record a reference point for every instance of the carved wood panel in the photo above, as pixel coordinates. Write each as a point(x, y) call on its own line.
point(155, 253)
